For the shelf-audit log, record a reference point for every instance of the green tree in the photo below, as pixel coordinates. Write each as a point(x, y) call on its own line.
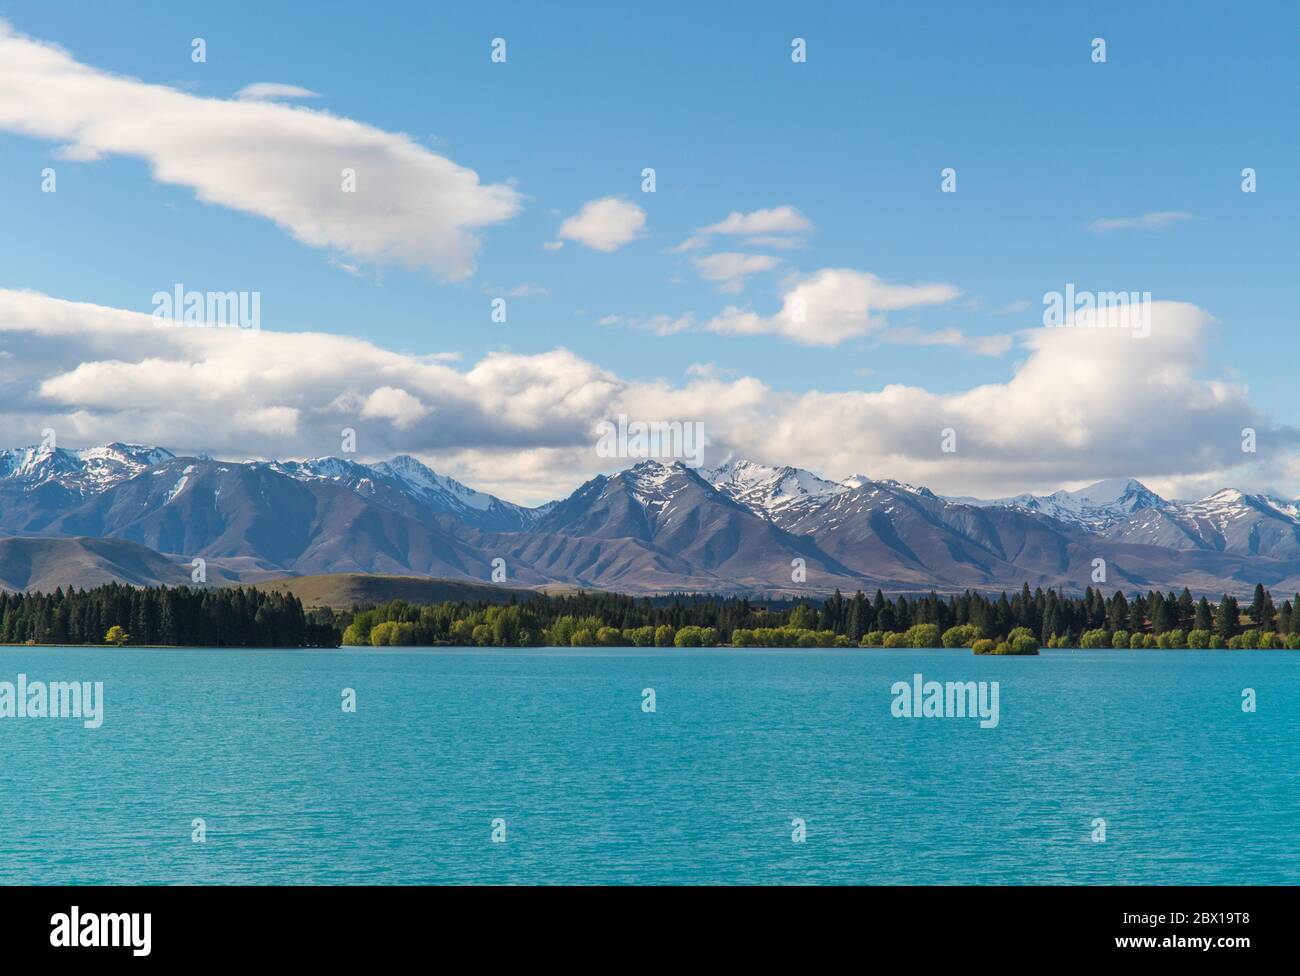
point(1204, 618)
point(1227, 617)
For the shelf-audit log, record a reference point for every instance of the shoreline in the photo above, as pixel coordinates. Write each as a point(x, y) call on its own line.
point(571, 647)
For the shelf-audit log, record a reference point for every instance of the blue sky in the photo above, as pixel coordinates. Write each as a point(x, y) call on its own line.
point(1044, 142)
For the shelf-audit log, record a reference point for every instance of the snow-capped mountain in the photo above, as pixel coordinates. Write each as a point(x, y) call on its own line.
point(84, 472)
point(654, 527)
point(1125, 510)
point(406, 476)
point(1096, 507)
point(770, 490)
point(786, 495)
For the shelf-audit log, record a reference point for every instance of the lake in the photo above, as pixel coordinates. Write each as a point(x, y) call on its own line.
point(551, 750)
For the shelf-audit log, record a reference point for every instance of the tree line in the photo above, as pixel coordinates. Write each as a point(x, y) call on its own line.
point(246, 617)
point(1000, 625)
point(181, 615)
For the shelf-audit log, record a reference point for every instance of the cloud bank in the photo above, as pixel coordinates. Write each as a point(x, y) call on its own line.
point(1084, 403)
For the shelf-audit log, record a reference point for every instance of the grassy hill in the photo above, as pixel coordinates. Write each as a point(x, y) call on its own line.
point(47, 564)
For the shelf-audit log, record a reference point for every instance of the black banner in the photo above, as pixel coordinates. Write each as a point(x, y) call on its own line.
point(333, 925)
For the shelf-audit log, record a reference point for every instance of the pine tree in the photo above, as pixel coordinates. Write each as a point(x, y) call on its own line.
point(1257, 604)
point(1204, 620)
point(1227, 617)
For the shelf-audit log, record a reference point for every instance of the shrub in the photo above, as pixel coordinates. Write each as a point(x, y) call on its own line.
point(1293, 642)
point(1002, 648)
point(1149, 642)
point(872, 638)
point(1094, 638)
point(696, 637)
point(390, 633)
point(643, 636)
point(895, 639)
point(1250, 640)
point(983, 646)
point(664, 636)
point(381, 635)
point(1175, 639)
point(1024, 644)
point(609, 637)
point(1267, 640)
point(688, 637)
point(1119, 638)
point(963, 635)
point(923, 635)
point(1138, 641)
point(1198, 639)
point(1216, 642)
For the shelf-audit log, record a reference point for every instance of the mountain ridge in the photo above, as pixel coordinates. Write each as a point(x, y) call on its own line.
point(654, 527)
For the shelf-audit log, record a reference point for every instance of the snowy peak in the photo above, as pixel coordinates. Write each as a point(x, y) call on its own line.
point(83, 472)
point(769, 490)
point(412, 479)
point(655, 484)
point(1095, 507)
point(418, 477)
point(1230, 503)
point(1121, 494)
point(893, 485)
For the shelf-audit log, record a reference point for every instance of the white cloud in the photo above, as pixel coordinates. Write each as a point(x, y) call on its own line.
point(1085, 403)
point(778, 220)
point(994, 345)
point(271, 90)
point(392, 403)
point(764, 228)
point(729, 269)
point(411, 207)
point(605, 224)
point(830, 306)
point(661, 325)
point(690, 244)
point(527, 290)
point(1147, 221)
point(769, 240)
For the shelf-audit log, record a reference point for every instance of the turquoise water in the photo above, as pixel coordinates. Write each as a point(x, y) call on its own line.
point(703, 790)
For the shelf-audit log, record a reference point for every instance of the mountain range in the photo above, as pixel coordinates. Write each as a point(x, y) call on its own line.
point(655, 527)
